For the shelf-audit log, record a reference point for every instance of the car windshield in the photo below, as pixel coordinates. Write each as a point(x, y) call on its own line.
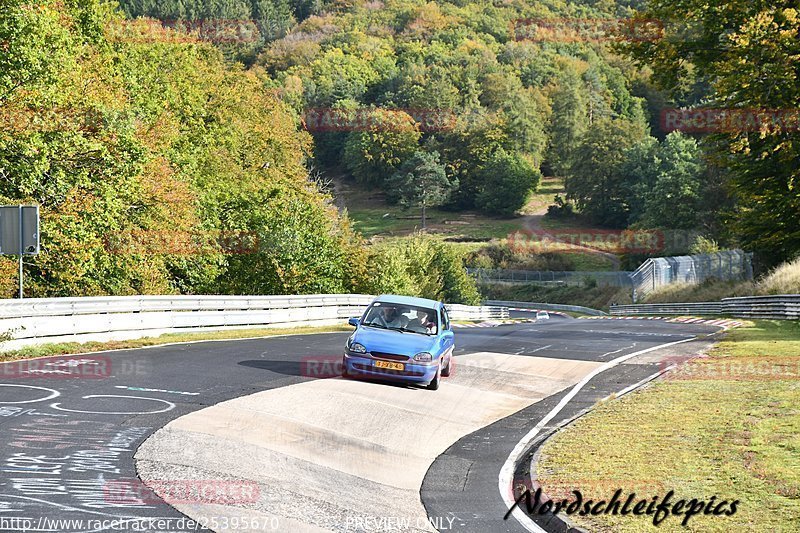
point(405, 318)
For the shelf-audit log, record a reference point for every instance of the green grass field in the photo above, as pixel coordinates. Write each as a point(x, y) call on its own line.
point(727, 426)
point(394, 221)
point(467, 230)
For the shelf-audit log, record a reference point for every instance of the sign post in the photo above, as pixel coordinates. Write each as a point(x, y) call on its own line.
point(19, 233)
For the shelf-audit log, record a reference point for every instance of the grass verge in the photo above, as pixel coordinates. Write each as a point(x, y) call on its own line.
point(726, 425)
point(67, 348)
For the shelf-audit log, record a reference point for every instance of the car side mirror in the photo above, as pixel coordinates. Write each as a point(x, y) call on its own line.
point(354, 322)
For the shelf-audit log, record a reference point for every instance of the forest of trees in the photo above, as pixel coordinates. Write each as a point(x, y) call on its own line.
point(588, 110)
point(517, 106)
point(132, 148)
point(158, 168)
point(123, 137)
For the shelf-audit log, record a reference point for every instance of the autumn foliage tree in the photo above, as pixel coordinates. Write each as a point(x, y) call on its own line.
point(740, 56)
point(158, 168)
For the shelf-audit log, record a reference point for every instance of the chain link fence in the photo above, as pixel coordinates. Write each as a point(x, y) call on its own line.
point(658, 272)
point(729, 265)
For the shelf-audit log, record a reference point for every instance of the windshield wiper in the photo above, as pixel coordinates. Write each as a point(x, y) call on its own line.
point(375, 325)
point(406, 330)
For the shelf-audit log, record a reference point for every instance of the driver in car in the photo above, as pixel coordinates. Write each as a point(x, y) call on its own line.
point(390, 317)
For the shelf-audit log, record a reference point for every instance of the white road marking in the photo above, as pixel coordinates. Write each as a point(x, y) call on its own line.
point(617, 351)
point(142, 389)
point(53, 393)
point(169, 407)
point(506, 478)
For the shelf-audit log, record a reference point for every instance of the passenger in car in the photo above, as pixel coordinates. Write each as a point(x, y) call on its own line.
point(421, 324)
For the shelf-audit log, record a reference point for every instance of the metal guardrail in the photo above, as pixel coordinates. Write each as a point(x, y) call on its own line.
point(616, 278)
point(38, 320)
point(38, 307)
point(699, 308)
point(469, 312)
point(546, 307)
point(782, 307)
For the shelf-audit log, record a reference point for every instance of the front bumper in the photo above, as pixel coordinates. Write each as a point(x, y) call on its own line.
point(364, 365)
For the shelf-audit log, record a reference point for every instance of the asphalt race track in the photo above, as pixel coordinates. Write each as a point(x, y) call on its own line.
point(306, 451)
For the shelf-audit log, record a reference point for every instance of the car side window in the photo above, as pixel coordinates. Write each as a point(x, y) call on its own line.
point(445, 319)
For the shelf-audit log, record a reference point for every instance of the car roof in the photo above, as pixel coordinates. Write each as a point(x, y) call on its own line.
point(408, 300)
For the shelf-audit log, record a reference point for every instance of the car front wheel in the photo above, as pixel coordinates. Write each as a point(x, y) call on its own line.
point(434, 384)
point(446, 371)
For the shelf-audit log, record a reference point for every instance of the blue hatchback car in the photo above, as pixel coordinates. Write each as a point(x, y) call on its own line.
point(401, 338)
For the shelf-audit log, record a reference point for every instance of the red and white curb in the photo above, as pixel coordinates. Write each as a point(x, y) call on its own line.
point(529, 310)
point(480, 325)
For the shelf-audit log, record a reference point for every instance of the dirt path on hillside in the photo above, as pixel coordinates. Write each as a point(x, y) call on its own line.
point(532, 222)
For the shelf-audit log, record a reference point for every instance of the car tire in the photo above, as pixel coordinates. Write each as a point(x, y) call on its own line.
point(434, 384)
point(449, 368)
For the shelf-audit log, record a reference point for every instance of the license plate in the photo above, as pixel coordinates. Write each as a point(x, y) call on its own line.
point(390, 366)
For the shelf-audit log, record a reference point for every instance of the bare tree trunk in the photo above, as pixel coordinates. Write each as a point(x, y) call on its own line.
point(423, 216)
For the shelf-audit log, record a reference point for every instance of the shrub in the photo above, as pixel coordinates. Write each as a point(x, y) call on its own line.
point(420, 266)
point(701, 245)
point(502, 257)
point(506, 181)
point(785, 279)
point(561, 208)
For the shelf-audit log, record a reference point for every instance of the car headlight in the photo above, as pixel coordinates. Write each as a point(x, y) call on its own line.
point(358, 348)
point(423, 357)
